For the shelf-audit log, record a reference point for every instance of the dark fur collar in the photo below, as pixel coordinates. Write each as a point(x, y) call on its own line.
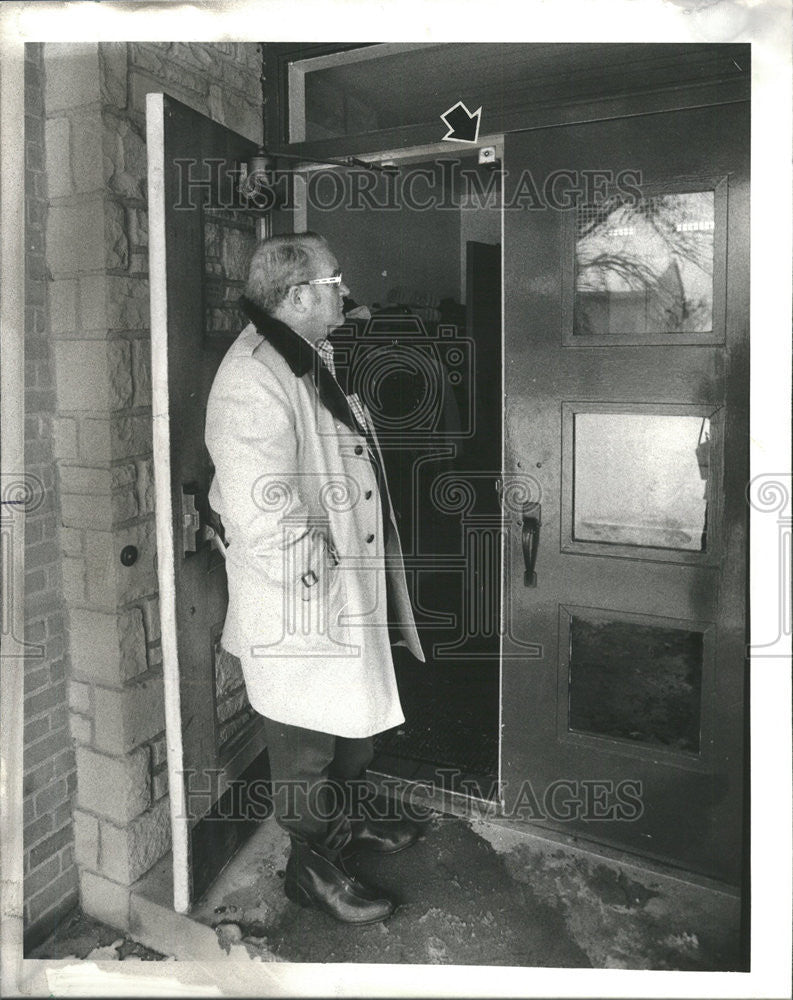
point(301, 358)
point(297, 353)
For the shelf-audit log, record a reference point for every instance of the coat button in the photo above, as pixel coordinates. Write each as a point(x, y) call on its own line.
point(370, 539)
point(367, 495)
point(358, 449)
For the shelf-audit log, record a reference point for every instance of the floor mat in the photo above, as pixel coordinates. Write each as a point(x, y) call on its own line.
point(442, 738)
point(451, 719)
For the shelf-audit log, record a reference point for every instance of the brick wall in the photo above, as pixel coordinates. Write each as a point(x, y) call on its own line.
point(97, 261)
point(49, 763)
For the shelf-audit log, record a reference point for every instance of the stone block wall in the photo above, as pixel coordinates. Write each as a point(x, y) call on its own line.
point(97, 268)
point(48, 755)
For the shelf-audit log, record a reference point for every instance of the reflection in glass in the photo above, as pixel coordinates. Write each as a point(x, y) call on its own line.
point(635, 682)
point(229, 242)
point(645, 267)
point(640, 479)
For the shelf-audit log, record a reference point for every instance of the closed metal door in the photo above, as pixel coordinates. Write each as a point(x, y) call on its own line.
point(626, 379)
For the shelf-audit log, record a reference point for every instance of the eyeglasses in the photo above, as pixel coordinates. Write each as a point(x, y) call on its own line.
point(334, 279)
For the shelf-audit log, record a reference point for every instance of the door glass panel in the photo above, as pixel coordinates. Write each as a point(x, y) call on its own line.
point(640, 479)
point(645, 266)
point(635, 682)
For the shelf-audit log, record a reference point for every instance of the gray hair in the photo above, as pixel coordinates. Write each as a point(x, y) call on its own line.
point(278, 263)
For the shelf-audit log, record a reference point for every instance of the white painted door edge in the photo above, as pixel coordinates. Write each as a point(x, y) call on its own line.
point(158, 294)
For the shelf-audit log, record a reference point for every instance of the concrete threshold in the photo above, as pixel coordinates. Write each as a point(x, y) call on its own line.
point(484, 815)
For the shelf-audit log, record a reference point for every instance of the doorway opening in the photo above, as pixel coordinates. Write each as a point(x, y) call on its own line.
point(428, 363)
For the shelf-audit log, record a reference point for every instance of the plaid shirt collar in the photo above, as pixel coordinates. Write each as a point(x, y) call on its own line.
point(324, 349)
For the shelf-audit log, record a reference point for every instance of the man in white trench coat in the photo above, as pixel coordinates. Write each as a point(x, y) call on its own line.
point(315, 574)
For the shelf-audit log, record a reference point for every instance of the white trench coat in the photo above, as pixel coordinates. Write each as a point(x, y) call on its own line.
point(310, 578)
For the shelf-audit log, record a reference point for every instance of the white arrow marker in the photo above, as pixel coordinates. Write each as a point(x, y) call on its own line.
point(460, 122)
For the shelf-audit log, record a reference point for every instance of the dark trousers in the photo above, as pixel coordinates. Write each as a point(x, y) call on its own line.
point(318, 780)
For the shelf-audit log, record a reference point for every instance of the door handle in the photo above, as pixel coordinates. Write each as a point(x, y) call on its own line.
point(199, 522)
point(530, 540)
point(190, 520)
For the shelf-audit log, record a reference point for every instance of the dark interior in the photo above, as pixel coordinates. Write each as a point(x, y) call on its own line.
point(428, 365)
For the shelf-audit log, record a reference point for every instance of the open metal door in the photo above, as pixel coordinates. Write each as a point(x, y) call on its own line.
point(201, 238)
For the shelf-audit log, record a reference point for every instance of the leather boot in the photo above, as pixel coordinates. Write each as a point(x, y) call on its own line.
point(318, 880)
point(383, 836)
